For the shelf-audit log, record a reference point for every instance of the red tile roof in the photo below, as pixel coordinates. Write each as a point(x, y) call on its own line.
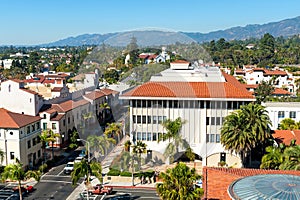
point(286, 136)
point(281, 91)
point(57, 117)
point(56, 89)
point(190, 90)
point(14, 120)
point(275, 72)
point(94, 95)
point(217, 180)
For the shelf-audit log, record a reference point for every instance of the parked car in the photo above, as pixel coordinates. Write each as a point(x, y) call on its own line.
point(99, 189)
point(24, 189)
point(69, 168)
point(78, 159)
point(82, 153)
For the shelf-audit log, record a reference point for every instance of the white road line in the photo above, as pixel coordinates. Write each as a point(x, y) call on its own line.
point(60, 173)
point(54, 181)
point(56, 176)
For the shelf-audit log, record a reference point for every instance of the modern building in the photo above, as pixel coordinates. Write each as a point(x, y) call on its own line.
point(201, 96)
point(281, 110)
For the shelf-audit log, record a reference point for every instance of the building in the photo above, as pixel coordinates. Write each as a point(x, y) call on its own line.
point(19, 138)
point(282, 110)
point(201, 96)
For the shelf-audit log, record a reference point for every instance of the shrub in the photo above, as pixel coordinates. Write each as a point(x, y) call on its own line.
point(125, 173)
point(113, 172)
point(43, 167)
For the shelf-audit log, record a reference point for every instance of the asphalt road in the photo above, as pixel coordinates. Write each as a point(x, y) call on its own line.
point(135, 193)
point(53, 185)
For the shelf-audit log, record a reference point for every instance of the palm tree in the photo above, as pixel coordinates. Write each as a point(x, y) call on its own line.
point(114, 129)
point(291, 158)
point(127, 145)
point(287, 124)
point(100, 143)
point(15, 172)
point(173, 136)
point(178, 183)
point(51, 137)
point(139, 148)
point(84, 169)
point(87, 117)
point(273, 158)
point(243, 129)
point(104, 107)
point(44, 139)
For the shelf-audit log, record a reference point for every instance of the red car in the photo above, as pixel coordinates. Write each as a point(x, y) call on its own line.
point(100, 189)
point(25, 188)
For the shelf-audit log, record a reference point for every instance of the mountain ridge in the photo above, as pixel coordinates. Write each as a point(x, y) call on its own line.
point(285, 28)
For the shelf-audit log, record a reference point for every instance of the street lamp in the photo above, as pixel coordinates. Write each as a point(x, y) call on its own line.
point(88, 147)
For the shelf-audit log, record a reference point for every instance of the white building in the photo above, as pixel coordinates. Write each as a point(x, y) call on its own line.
point(19, 138)
point(282, 110)
point(201, 96)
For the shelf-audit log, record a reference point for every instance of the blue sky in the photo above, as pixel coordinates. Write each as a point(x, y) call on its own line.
point(30, 22)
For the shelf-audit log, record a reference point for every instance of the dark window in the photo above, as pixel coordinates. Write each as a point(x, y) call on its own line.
point(44, 116)
point(29, 144)
point(192, 104)
point(144, 136)
point(293, 114)
point(28, 129)
point(33, 127)
point(229, 104)
point(133, 103)
point(186, 104)
point(175, 105)
point(154, 119)
point(219, 104)
point(159, 103)
point(144, 104)
point(64, 122)
point(148, 119)
point(280, 114)
point(213, 121)
point(53, 126)
point(44, 125)
point(33, 141)
point(160, 119)
point(38, 125)
point(139, 136)
point(212, 137)
point(207, 120)
point(235, 105)
point(218, 138)
point(170, 104)
point(212, 104)
point(223, 104)
point(149, 103)
point(144, 120)
point(11, 133)
point(154, 136)
point(68, 120)
point(207, 104)
point(12, 155)
point(138, 119)
point(134, 119)
point(202, 104)
point(39, 153)
point(218, 121)
point(138, 103)
point(164, 104)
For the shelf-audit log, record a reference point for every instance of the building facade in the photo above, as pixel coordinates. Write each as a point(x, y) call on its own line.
point(201, 96)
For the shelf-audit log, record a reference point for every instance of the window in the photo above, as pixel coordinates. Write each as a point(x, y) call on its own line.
point(154, 137)
point(44, 116)
point(33, 127)
point(213, 121)
point(28, 129)
point(68, 120)
point(38, 125)
point(160, 119)
point(229, 104)
point(29, 144)
point(280, 114)
point(218, 138)
point(64, 122)
point(159, 136)
point(38, 139)
point(148, 119)
point(33, 141)
point(164, 103)
point(212, 137)
point(39, 153)
point(149, 136)
point(292, 114)
point(144, 104)
point(11, 133)
point(53, 126)
point(144, 136)
point(138, 119)
point(207, 104)
point(139, 136)
point(12, 155)
point(44, 125)
point(207, 120)
point(133, 103)
point(134, 119)
point(144, 119)
point(149, 103)
point(154, 119)
point(218, 121)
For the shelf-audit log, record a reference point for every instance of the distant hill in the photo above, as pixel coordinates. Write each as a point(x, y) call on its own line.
point(283, 28)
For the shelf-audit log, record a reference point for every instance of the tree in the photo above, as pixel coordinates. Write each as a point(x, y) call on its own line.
point(73, 140)
point(138, 149)
point(85, 169)
point(51, 137)
point(87, 117)
point(243, 129)
point(288, 124)
point(15, 172)
point(132, 45)
point(173, 136)
point(273, 158)
point(263, 91)
point(114, 129)
point(178, 183)
point(100, 143)
point(291, 158)
point(105, 110)
point(44, 139)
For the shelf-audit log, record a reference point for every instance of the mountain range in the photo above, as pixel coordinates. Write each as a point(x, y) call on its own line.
point(285, 28)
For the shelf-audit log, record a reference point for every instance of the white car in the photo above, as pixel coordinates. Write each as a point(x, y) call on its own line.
point(78, 159)
point(69, 168)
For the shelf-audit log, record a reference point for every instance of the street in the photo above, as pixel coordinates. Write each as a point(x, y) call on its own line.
point(133, 193)
point(53, 185)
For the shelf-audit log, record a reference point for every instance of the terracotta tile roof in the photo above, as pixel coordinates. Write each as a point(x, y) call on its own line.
point(275, 72)
point(286, 136)
point(80, 103)
point(107, 91)
point(234, 81)
point(190, 90)
point(258, 69)
point(29, 91)
point(56, 89)
point(94, 95)
point(14, 120)
point(64, 106)
point(57, 117)
point(217, 180)
point(281, 91)
point(180, 61)
point(251, 86)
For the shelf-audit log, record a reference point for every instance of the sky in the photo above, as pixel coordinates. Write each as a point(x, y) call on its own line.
point(32, 22)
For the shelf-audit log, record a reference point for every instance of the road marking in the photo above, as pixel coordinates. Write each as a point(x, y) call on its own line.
point(60, 173)
point(53, 181)
point(56, 176)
